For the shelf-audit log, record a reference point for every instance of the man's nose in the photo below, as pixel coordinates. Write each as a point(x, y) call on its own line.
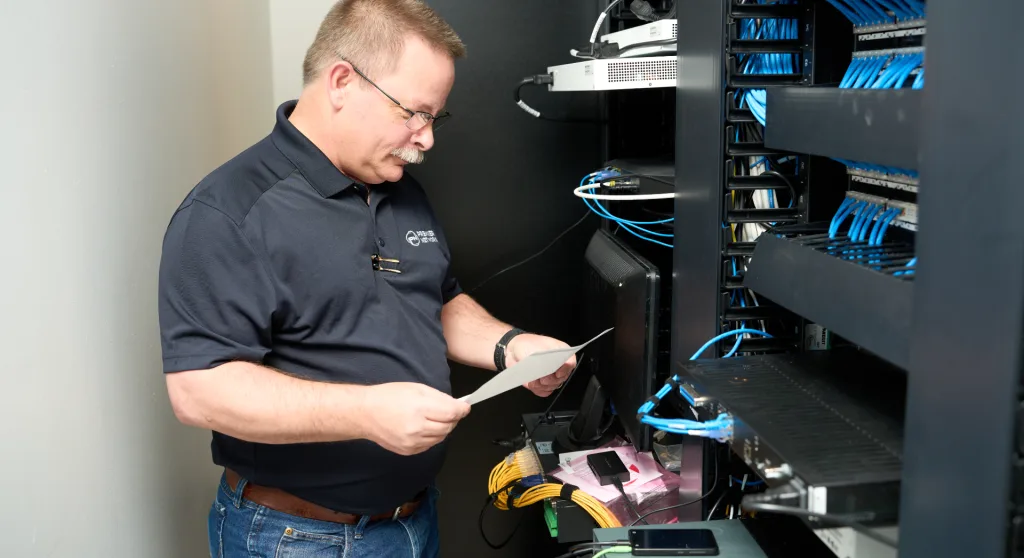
point(424, 138)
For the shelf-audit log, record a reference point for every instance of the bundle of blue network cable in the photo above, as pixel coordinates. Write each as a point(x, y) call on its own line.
point(889, 69)
point(865, 13)
point(768, 63)
point(639, 229)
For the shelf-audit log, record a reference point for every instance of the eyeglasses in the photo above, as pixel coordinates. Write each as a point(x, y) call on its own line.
point(417, 118)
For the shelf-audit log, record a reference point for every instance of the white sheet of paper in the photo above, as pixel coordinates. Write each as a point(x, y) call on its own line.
point(531, 368)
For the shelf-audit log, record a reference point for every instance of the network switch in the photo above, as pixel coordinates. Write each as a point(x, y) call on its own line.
point(613, 74)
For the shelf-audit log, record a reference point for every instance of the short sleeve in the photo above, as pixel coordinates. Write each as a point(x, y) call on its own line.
point(450, 288)
point(216, 299)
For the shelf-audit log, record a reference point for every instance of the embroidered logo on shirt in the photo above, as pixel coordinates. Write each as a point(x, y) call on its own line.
point(416, 238)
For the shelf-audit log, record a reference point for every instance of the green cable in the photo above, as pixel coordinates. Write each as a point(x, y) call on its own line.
point(614, 549)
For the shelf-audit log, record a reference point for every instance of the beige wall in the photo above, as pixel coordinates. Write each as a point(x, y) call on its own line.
point(293, 26)
point(111, 110)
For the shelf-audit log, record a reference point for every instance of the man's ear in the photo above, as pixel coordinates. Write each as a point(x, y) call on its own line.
point(340, 78)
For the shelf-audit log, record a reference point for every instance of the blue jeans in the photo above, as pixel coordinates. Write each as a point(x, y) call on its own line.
point(239, 528)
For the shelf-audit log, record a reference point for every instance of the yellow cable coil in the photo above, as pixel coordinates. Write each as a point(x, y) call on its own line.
point(524, 463)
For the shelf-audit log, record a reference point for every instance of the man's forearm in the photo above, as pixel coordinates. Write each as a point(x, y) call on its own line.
point(258, 404)
point(471, 332)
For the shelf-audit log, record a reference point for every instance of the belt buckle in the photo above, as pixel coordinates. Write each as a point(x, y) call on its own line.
point(398, 510)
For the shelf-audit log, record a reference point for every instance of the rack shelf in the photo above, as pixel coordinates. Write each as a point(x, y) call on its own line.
point(867, 125)
point(835, 417)
point(866, 301)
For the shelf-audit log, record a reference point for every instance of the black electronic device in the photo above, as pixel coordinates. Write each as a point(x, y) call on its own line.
point(608, 467)
point(622, 290)
point(673, 542)
point(824, 428)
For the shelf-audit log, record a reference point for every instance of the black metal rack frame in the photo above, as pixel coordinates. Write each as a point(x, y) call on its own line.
point(966, 332)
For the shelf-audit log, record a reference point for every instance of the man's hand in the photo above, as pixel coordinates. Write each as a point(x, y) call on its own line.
point(524, 345)
point(409, 418)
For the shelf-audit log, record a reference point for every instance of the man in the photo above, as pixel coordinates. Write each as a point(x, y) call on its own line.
point(307, 304)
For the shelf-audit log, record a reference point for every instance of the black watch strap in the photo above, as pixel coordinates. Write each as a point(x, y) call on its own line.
point(499, 349)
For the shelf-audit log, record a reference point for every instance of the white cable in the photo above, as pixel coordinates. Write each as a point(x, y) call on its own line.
point(579, 193)
point(597, 26)
point(600, 20)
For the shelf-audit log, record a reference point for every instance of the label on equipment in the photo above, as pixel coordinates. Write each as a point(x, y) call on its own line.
point(817, 338)
point(544, 448)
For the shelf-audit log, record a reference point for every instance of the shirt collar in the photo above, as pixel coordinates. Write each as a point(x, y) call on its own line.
point(321, 173)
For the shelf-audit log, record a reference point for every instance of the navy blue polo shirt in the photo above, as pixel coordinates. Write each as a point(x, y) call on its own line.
point(277, 258)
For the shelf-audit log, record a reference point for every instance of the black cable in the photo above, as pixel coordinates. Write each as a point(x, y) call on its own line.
point(663, 180)
point(594, 545)
point(541, 251)
point(551, 405)
point(658, 214)
point(490, 502)
point(684, 504)
point(544, 79)
point(792, 190)
point(575, 553)
point(718, 501)
point(622, 490)
point(786, 510)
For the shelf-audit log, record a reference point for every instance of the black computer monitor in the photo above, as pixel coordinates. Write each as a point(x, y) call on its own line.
point(622, 290)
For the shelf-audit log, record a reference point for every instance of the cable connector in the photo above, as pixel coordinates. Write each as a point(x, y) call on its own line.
point(791, 494)
point(622, 185)
point(539, 79)
point(543, 79)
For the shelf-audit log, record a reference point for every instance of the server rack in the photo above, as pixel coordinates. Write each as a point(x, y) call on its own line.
point(956, 328)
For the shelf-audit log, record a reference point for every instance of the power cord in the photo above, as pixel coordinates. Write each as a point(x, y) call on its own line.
point(544, 79)
point(535, 255)
point(834, 519)
point(547, 412)
point(618, 484)
point(684, 504)
point(620, 547)
point(491, 498)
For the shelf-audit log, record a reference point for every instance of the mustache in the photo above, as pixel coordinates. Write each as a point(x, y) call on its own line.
point(409, 155)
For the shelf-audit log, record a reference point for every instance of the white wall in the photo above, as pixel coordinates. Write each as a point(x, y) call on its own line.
point(111, 110)
point(293, 27)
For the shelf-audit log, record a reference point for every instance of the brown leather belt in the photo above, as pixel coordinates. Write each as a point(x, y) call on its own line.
point(279, 500)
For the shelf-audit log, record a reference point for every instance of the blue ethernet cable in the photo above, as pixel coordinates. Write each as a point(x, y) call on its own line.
point(883, 223)
point(608, 215)
point(911, 263)
point(841, 216)
point(867, 70)
point(897, 9)
point(875, 226)
point(858, 218)
point(919, 81)
point(900, 64)
point(627, 225)
point(850, 13)
point(877, 62)
point(857, 65)
point(847, 202)
point(918, 60)
point(867, 223)
point(672, 382)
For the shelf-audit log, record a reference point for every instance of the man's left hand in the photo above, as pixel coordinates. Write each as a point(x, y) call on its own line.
point(524, 345)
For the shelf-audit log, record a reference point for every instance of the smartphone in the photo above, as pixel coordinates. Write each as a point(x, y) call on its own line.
point(673, 542)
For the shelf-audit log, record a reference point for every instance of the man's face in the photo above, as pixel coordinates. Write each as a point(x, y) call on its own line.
point(377, 142)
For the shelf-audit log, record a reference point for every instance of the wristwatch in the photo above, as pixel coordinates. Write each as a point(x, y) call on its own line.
point(499, 349)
